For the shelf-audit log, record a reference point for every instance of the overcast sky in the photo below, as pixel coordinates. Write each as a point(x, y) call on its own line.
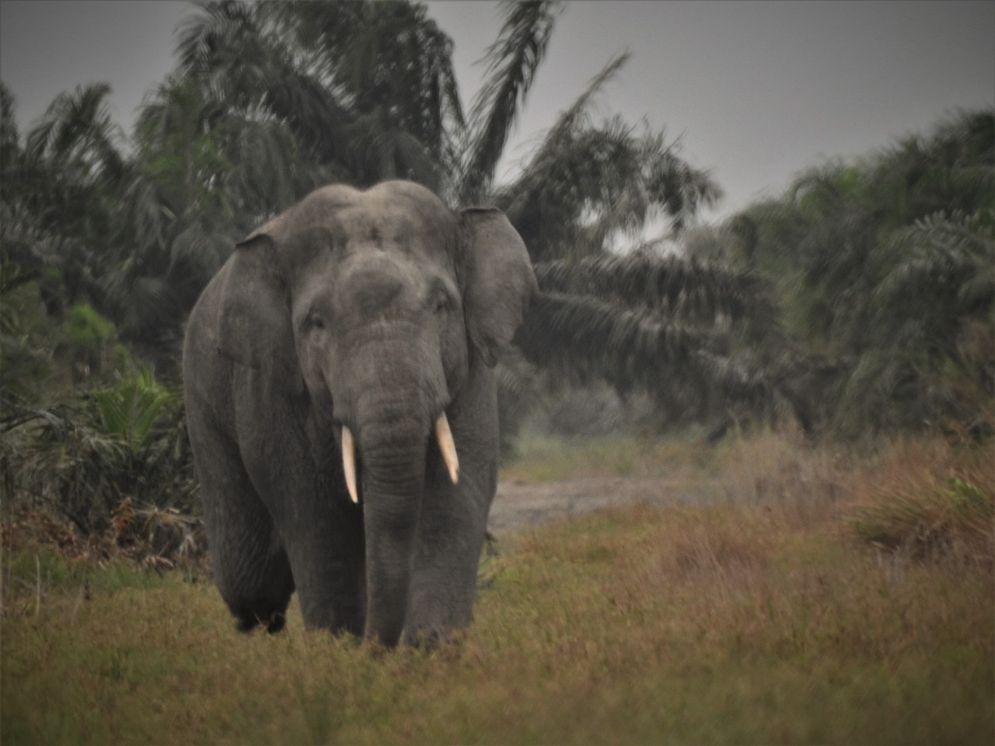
point(756, 91)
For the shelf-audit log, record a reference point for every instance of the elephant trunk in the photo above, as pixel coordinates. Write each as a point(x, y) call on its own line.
point(393, 481)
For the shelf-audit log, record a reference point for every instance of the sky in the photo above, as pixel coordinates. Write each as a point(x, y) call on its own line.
point(755, 91)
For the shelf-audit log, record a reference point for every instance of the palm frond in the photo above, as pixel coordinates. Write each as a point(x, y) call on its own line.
point(263, 166)
point(77, 130)
point(9, 137)
point(129, 409)
point(586, 338)
point(576, 115)
point(946, 263)
point(678, 188)
point(679, 288)
point(512, 61)
point(144, 305)
point(574, 188)
point(200, 35)
point(145, 212)
point(585, 183)
point(241, 63)
point(195, 254)
point(385, 63)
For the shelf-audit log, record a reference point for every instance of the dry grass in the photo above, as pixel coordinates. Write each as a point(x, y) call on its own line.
point(765, 619)
point(928, 498)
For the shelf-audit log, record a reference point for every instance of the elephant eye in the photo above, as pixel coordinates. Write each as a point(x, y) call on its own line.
point(313, 321)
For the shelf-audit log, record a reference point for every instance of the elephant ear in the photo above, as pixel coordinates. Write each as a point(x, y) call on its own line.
point(498, 282)
point(254, 314)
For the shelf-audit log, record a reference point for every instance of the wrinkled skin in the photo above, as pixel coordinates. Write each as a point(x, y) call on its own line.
point(377, 311)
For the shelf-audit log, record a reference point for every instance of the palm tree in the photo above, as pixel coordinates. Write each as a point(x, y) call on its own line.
point(369, 92)
point(367, 89)
point(703, 340)
point(667, 326)
point(512, 62)
point(884, 268)
point(58, 198)
point(929, 346)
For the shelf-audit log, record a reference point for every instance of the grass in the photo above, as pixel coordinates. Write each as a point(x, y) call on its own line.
point(758, 620)
point(773, 468)
point(544, 458)
point(924, 503)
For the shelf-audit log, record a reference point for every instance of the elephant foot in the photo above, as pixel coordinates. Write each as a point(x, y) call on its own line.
point(274, 621)
point(435, 638)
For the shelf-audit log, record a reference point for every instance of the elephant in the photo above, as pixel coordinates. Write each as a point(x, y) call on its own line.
point(342, 411)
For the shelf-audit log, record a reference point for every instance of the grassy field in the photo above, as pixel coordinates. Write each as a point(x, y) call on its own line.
point(830, 603)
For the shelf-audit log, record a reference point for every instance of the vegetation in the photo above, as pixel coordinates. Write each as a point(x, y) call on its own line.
point(860, 303)
point(763, 619)
point(117, 456)
point(884, 266)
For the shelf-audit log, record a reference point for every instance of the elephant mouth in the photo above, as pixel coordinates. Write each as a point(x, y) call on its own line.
point(443, 436)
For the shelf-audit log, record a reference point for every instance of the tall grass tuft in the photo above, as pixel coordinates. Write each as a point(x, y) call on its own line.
point(929, 499)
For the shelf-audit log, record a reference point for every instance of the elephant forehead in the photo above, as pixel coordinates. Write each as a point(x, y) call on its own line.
point(394, 216)
point(394, 229)
point(362, 226)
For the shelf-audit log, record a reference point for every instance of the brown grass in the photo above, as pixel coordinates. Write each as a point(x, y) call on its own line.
point(926, 498)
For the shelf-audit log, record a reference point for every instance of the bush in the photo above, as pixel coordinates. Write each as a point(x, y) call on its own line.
point(88, 338)
point(116, 463)
point(25, 335)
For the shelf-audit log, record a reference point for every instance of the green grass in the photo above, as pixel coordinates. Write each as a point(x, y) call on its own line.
point(42, 573)
point(687, 625)
point(543, 458)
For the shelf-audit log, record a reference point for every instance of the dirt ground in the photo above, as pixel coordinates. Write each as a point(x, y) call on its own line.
point(518, 505)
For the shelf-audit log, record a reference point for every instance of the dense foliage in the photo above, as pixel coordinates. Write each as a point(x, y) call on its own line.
point(861, 302)
point(886, 266)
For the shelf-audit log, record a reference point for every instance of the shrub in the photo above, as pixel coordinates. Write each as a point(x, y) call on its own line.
point(88, 337)
point(116, 463)
point(129, 410)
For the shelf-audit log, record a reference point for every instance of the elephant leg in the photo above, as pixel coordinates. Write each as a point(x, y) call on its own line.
point(321, 529)
point(253, 575)
point(453, 523)
point(326, 553)
point(250, 566)
point(451, 537)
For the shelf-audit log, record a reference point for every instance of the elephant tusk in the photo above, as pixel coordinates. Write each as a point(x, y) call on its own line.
point(448, 448)
point(349, 463)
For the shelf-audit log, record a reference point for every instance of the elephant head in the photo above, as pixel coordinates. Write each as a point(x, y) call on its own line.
point(372, 306)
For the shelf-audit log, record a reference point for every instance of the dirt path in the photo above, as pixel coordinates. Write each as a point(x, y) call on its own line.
point(518, 505)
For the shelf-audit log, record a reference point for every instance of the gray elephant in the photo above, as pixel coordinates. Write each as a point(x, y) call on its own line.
point(341, 406)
